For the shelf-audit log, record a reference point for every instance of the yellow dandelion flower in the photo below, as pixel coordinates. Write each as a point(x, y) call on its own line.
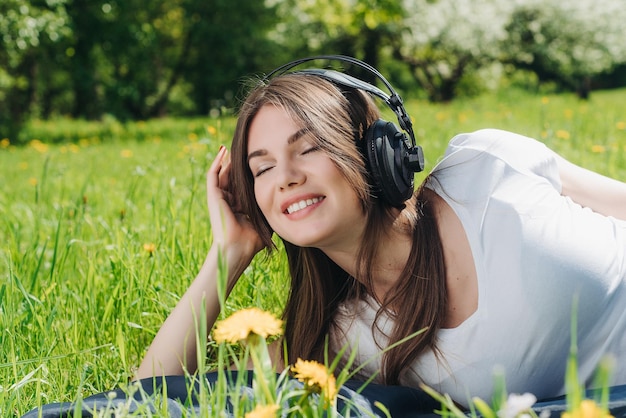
point(263, 411)
point(545, 100)
point(23, 165)
point(4, 143)
point(316, 377)
point(126, 153)
point(38, 146)
point(568, 113)
point(211, 130)
point(562, 134)
point(587, 409)
point(149, 247)
point(621, 125)
point(241, 324)
point(598, 149)
point(192, 136)
point(32, 181)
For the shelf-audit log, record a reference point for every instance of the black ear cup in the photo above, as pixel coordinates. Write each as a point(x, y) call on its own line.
point(386, 151)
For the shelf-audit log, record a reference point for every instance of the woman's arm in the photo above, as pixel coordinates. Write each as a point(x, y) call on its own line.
point(173, 350)
point(602, 194)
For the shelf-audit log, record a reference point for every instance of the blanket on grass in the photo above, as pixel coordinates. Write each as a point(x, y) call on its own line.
point(174, 396)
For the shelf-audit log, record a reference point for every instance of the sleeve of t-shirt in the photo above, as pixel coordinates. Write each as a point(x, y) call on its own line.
point(524, 154)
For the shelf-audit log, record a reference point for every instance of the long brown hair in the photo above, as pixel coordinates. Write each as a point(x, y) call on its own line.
point(337, 118)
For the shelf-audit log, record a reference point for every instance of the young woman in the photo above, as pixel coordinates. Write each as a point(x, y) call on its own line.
point(488, 255)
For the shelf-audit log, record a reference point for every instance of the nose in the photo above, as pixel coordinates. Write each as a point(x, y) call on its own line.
point(290, 175)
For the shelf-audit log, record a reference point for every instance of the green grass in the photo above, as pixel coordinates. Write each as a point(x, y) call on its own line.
point(83, 204)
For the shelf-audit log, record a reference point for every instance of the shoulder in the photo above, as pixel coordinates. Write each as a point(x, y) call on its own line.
point(487, 149)
point(496, 142)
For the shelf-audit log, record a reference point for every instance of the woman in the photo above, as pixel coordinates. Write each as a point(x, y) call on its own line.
point(487, 256)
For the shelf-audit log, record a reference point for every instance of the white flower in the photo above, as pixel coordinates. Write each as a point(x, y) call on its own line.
point(517, 404)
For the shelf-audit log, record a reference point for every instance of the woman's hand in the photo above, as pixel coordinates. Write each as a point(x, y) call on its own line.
point(233, 234)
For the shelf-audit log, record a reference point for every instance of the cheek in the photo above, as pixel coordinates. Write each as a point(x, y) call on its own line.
point(263, 199)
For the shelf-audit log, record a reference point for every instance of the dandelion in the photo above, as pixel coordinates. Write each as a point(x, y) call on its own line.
point(545, 100)
point(211, 130)
point(598, 149)
point(192, 136)
point(4, 143)
point(32, 181)
point(263, 411)
point(568, 113)
point(240, 325)
point(517, 405)
point(23, 165)
point(621, 125)
point(149, 247)
point(126, 153)
point(316, 378)
point(562, 134)
point(38, 146)
point(587, 409)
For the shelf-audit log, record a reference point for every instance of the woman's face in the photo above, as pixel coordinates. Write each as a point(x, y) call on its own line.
point(301, 192)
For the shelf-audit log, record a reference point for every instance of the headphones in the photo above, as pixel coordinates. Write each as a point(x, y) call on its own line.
point(391, 156)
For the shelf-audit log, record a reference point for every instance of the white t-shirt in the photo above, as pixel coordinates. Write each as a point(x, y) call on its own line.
point(535, 252)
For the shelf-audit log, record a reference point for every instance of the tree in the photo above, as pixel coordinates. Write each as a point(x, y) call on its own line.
point(567, 42)
point(27, 29)
point(444, 40)
point(227, 41)
point(360, 28)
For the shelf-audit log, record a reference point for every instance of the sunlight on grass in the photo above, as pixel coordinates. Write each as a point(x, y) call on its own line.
point(105, 225)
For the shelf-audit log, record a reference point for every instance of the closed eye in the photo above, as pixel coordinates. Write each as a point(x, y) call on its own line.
point(311, 149)
point(261, 170)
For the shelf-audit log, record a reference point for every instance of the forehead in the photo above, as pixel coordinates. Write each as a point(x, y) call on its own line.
point(270, 126)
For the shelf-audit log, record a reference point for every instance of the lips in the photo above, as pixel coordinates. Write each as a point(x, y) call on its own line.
point(302, 204)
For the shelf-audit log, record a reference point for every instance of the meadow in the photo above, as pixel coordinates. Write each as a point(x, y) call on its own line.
point(103, 226)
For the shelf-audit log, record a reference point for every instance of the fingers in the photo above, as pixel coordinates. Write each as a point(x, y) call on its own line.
point(225, 171)
point(217, 166)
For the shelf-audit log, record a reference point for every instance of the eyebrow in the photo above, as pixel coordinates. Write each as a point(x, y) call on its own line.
point(291, 140)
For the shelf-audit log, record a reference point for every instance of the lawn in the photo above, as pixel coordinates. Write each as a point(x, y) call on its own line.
point(104, 225)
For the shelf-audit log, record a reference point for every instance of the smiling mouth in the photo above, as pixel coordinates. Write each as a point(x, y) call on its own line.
point(294, 207)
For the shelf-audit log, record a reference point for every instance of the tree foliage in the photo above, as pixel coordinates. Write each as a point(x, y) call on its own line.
point(567, 42)
point(28, 31)
point(138, 60)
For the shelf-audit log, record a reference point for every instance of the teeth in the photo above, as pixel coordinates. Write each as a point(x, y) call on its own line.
point(294, 207)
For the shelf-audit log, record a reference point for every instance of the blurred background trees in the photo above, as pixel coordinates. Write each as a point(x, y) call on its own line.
point(132, 59)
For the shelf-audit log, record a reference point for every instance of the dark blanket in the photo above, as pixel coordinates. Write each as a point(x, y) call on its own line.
point(181, 400)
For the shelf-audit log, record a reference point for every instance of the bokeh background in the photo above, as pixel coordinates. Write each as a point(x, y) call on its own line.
point(141, 59)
